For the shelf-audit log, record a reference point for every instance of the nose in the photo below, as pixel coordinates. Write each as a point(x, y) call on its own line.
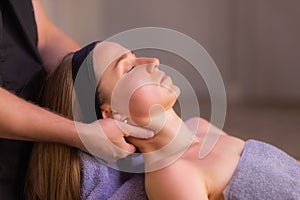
point(151, 63)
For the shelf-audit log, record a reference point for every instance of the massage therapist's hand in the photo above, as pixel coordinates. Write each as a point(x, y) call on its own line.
point(105, 138)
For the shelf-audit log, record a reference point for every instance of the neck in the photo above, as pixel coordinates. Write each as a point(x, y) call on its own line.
point(170, 142)
point(166, 126)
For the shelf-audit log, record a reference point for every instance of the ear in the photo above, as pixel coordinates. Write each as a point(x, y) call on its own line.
point(106, 111)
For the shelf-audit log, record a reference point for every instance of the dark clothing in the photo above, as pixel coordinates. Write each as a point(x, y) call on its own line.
point(22, 73)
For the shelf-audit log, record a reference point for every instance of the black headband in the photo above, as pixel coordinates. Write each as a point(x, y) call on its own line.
point(86, 85)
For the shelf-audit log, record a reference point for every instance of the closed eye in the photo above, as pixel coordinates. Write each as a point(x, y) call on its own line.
point(131, 68)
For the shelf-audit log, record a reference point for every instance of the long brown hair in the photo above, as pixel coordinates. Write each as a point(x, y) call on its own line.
point(54, 169)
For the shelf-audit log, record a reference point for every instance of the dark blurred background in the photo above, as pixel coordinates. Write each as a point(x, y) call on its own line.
point(255, 45)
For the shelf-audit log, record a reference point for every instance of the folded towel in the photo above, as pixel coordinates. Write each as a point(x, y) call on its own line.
point(132, 189)
point(264, 172)
point(101, 182)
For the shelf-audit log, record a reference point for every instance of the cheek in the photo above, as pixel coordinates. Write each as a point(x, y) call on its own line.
point(108, 83)
point(144, 98)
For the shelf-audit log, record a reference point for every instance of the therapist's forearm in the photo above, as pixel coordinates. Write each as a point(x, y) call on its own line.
point(21, 120)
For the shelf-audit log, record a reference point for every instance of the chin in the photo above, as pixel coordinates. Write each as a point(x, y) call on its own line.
point(173, 90)
point(140, 113)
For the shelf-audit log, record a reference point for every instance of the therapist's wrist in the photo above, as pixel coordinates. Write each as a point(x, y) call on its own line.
point(65, 131)
point(74, 138)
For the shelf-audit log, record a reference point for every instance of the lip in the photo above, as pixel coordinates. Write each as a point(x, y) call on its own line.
point(163, 78)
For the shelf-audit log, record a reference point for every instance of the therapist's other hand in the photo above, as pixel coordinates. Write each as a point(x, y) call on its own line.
point(105, 138)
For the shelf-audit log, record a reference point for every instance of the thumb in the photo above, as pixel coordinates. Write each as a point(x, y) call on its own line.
point(135, 131)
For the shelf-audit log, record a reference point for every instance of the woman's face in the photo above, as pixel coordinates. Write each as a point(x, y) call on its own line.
point(132, 84)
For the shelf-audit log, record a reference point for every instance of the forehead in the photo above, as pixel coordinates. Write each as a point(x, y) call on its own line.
point(104, 54)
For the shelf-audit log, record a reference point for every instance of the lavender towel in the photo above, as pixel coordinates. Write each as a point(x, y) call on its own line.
point(100, 182)
point(264, 172)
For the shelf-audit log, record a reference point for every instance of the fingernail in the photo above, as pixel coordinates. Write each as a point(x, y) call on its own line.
point(150, 134)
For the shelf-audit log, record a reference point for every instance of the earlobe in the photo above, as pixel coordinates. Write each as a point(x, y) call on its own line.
point(106, 111)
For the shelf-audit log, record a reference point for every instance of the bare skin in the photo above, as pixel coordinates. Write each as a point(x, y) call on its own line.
point(172, 172)
point(184, 176)
point(51, 52)
point(193, 178)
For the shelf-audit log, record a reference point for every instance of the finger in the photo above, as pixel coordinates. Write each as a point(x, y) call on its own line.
point(135, 131)
point(125, 148)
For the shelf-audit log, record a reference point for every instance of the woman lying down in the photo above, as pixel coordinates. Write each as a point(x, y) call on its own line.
point(135, 90)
